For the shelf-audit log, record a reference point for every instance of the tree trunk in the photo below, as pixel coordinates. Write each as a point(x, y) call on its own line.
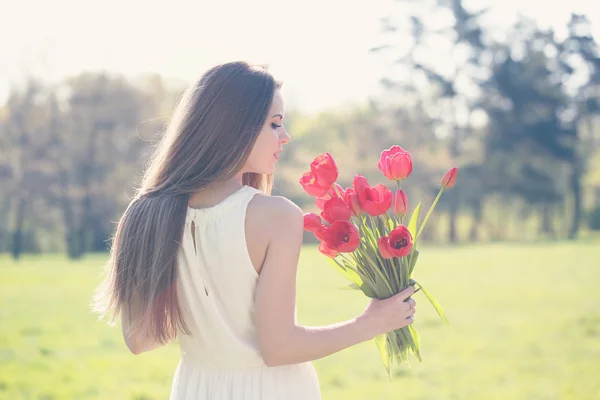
point(85, 238)
point(477, 215)
point(575, 186)
point(71, 237)
point(17, 244)
point(4, 213)
point(546, 225)
point(453, 212)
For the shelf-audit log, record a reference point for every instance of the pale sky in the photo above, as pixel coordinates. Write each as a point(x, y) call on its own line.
point(319, 48)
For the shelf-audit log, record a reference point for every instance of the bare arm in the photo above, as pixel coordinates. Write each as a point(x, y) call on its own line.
point(282, 341)
point(136, 342)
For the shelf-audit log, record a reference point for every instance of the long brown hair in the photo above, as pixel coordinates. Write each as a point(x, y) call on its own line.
point(213, 130)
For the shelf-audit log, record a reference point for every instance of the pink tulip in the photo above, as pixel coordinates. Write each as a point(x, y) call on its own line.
point(310, 185)
point(359, 183)
point(400, 203)
point(342, 237)
point(395, 163)
point(376, 200)
point(324, 170)
point(327, 251)
point(320, 201)
point(335, 209)
point(312, 222)
point(400, 241)
point(384, 249)
point(351, 199)
point(449, 178)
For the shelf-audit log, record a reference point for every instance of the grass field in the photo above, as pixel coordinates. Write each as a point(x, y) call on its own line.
point(524, 324)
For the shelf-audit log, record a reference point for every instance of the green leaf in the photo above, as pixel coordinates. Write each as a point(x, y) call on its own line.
point(412, 261)
point(380, 226)
point(347, 273)
point(411, 342)
point(412, 224)
point(390, 223)
point(380, 341)
point(351, 286)
point(417, 342)
point(356, 277)
point(434, 303)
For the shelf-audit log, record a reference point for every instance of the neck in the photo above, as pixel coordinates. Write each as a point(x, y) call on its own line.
point(215, 192)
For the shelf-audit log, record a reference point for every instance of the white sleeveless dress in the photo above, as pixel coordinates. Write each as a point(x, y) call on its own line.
point(220, 360)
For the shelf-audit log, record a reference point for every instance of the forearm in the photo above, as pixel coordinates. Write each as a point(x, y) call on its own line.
point(308, 343)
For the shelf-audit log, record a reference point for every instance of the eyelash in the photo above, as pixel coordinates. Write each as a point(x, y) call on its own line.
point(275, 126)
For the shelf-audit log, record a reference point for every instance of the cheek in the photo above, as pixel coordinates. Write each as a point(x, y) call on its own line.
point(267, 142)
point(262, 151)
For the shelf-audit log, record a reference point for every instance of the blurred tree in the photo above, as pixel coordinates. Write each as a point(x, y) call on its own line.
point(95, 136)
point(580, 58)
point(24, 139)
point(446, 93)
point(538, 103)
point(524, 98)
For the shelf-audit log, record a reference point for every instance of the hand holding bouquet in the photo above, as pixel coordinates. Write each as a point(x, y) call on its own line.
point(365, 236)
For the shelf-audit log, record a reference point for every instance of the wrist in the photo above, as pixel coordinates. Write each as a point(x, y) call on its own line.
point(367, 327)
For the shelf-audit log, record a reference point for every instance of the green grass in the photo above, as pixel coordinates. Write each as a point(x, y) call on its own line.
point(524, 324)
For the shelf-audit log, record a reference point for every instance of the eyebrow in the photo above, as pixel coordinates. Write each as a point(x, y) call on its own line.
point(277, 115)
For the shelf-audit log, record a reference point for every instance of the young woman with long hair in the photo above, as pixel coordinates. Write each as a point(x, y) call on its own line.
point(203, 253)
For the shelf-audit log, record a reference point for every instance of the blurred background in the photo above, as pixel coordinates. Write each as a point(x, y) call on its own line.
point(507, 91)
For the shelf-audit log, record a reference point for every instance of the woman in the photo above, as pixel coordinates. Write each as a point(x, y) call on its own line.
point(204, 253)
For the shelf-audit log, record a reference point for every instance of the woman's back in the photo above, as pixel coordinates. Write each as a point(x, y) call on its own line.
point(220, 358)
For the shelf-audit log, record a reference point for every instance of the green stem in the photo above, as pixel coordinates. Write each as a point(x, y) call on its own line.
point(335, 189)
point(385, 280)
point(402, 217)
point(428, 215)
point(396, 274)
point(367, 233)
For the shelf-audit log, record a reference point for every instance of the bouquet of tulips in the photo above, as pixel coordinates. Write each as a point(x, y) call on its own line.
point(365, 236)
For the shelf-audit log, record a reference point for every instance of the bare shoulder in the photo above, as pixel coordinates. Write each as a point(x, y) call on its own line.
point(274, 210)
point(269, 218)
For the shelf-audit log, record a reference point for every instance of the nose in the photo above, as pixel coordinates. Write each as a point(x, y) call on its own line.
point(284, 137)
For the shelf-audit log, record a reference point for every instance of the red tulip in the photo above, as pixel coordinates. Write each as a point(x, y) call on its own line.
point(327, 251)
point(341, 236)
point(400, 241)
point(310, 185)
point(335, 209)
point(312, 222)
point(384, 249)
point(395, 163)
point(324, 170)
point(320, 233)
point(449, 178)
point(351, 199)
point(320, 201)
point(359, 183)
point(400, 203)
point(376, 200)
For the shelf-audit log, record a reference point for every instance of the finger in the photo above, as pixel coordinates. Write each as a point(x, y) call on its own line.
point(408, 313)
point(412, 302)
point(406, 293)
